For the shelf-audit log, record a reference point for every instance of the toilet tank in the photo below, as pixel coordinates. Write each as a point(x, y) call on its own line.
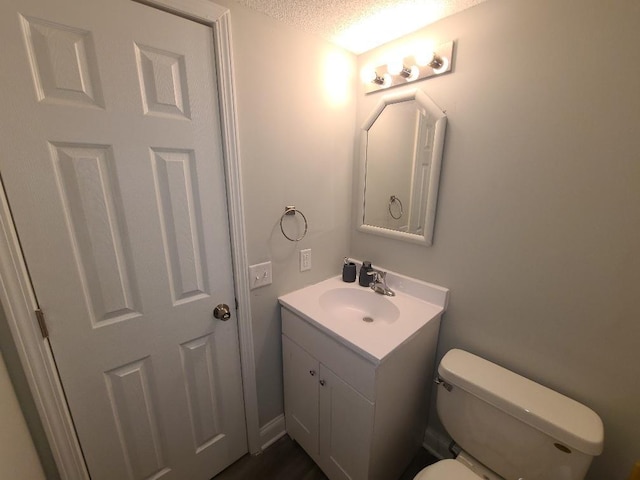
point(519, 429)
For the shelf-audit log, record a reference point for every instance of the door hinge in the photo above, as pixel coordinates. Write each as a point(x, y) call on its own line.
point(42, 323)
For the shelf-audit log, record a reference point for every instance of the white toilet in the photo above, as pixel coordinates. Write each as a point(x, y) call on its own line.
point(509, 427)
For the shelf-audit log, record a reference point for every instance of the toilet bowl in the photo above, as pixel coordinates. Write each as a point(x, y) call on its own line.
point(509, 427)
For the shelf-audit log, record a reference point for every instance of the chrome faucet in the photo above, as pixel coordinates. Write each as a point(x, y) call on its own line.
point(379, 284)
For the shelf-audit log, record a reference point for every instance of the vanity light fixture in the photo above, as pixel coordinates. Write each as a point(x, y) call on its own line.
point(419, 66)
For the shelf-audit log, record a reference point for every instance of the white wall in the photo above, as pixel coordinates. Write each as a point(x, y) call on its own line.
point(18, 458)
point(296, 109)
point(538, 221)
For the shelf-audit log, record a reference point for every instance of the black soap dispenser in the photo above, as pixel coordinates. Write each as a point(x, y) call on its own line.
point(366, 277)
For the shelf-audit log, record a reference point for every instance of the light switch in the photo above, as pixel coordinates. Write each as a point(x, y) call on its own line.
point(260, 275)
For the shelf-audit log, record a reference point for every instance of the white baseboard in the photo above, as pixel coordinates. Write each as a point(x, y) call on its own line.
point(272, 432)
point(437, 444)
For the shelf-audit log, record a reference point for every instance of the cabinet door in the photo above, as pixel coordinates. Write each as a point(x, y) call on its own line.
point(346, 427)
point(301, 374)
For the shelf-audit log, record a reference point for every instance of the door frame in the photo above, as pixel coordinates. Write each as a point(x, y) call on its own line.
point(19, 300)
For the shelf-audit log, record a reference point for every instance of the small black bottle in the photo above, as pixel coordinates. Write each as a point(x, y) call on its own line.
point(366, 277)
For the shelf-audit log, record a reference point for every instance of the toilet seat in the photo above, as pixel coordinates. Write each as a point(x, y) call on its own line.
point(446, 470)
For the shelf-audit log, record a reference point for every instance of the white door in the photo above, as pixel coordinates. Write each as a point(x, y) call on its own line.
point(110, 154)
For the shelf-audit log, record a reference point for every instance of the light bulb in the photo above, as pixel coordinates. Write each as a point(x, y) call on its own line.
point(415, 72)
point(424, 58)
point(444, 64)
point(395, 66)
point(386, 80)
point(368, 75)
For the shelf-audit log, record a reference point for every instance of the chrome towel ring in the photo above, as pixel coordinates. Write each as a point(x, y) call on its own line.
point(393, 199)
point(292, 210)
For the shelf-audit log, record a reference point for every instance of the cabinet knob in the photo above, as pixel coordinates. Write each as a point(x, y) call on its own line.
point(322, 382)
point(312, 372)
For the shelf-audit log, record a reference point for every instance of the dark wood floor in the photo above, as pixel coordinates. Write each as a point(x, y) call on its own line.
point(286, 460)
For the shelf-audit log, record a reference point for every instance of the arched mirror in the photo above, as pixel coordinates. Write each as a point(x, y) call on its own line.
point(401, 154)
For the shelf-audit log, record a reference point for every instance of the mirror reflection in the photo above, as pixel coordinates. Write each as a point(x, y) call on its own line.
point(402, 151)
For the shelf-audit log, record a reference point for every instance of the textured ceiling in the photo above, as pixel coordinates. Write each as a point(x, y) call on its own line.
point(359, 25)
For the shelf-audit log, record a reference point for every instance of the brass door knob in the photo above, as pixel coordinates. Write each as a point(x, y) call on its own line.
point(222, 312)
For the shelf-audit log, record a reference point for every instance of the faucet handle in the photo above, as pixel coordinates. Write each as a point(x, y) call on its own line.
point(379, 275)
point(375, 278)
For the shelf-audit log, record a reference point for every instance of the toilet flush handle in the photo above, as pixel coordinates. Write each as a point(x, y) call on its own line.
point(440, 381)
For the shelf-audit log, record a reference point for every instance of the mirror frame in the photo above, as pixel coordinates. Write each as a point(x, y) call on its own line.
point(426, 238)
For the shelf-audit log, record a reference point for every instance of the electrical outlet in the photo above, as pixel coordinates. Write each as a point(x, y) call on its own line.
point(260, 275)
point(305, 260)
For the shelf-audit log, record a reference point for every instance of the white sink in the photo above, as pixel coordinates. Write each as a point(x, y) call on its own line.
point(370, 323)
point(359, 305)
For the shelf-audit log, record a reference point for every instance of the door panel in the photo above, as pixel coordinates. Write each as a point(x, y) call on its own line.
point(63, 63)
point(133, 400)
point(202, 382)
point(93, 208)
point(175, 180)
point(111, 158)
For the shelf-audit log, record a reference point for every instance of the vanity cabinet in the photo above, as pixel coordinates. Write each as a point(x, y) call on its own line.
point(358, 418)
point(325, 415)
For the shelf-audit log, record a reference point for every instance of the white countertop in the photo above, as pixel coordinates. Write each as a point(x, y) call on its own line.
point(417, 303)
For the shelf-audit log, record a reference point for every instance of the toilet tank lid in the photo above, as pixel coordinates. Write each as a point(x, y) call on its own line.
point(560, 417)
